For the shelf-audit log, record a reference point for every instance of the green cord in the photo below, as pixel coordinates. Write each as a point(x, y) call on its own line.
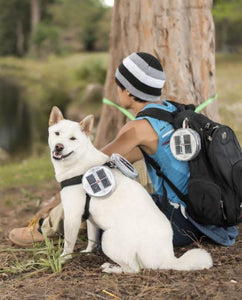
point(205, 103)
point(131, 117)
point(123, 110)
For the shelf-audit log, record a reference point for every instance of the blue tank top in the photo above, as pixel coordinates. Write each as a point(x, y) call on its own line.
point(177, 171)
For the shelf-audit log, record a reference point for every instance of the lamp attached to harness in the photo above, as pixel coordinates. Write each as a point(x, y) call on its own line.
point(185, 143)
point(99, 181)
point(124, 166)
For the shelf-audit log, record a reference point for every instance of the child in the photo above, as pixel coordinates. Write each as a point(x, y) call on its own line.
point(140, 79)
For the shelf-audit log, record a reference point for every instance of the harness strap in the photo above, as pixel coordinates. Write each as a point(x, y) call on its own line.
point(73, 181)
point(86, 210)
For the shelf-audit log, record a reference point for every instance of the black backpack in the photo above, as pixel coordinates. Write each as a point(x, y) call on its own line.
point(215, 185)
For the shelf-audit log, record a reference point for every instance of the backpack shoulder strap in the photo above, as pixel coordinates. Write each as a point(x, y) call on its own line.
point(163, 115)
point(159, 173)
point(157, 113)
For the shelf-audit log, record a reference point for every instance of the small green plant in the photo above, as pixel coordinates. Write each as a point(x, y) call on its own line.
point(44, 258)
point(18, 267)
point(52, 259)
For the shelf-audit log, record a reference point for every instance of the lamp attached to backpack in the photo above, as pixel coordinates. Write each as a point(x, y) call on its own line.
point(185, 143)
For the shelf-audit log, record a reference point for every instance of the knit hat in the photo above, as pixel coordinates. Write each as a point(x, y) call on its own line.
point(142, 75)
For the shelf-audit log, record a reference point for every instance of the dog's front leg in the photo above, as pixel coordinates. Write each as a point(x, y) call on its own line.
point(71, 229)
point(93, 234)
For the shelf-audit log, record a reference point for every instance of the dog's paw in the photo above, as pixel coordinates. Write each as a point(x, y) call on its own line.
point(86, 250)
point(106, 265)
point(65, 257)
point(108, 268)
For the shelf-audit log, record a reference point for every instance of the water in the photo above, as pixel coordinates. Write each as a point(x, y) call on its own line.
point(15, 127)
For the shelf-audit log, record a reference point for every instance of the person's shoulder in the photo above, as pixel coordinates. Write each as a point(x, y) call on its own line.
point(139, 124)
point(137, 127)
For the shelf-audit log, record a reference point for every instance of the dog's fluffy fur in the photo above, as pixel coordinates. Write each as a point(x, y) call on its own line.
point(136, 234)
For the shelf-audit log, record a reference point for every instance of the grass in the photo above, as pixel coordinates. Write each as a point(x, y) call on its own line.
point(28, 172)
point(45, 257)
point(228, 79)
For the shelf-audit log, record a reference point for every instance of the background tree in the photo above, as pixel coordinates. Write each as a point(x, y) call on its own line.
point(228, 21)
point(81, 21)
point(18, 19)
point(180, 34)
point(35, 14)
point(14, 26)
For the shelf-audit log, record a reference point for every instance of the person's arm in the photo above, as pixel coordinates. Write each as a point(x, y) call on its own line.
point(134, 155)
point(125, 143)
point(130, 137)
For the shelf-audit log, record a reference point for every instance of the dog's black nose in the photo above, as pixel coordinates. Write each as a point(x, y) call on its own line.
point(59, 147)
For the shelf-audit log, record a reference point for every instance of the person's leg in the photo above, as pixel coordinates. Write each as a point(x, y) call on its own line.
point(54, 223)
point(143, 178)
point(184, 232)
point(50, 218)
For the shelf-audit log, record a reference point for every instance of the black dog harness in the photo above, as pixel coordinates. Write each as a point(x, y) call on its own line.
point(78, 180)
point(117, 161)
point(73, 181)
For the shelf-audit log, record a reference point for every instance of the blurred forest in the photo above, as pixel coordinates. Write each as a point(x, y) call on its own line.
point(40, 27)
point(55, 52)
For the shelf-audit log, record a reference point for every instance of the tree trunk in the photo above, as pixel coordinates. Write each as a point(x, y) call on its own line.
point(20, 37)
point(35, 14)
point(225, 35)
point(180, 33)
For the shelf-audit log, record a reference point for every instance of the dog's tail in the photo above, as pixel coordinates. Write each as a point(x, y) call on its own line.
point(195, 259)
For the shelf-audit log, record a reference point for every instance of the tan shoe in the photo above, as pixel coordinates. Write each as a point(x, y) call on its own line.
point(26, 236)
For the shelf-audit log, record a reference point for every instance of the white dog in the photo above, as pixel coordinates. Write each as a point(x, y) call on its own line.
point(136, 234)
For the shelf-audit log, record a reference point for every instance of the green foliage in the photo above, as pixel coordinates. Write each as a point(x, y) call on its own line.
point(55, 81)
point(12, 14)
point(46, 38)
point(65, 25)
point(92, 70)
point(228, 23)
point(84, 20)
point(227, 9)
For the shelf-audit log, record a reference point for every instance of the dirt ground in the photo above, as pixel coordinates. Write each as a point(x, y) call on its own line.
point(82, 277)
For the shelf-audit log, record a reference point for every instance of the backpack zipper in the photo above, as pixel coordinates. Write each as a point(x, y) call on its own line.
point(222, 208)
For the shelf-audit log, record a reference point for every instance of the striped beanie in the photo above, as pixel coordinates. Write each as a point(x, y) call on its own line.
point(142, 75)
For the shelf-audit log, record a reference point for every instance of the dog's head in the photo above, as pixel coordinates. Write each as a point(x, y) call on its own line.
point(67, 138)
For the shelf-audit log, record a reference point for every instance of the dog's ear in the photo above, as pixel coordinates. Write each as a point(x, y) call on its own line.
point(87, 124)
point(55, 116)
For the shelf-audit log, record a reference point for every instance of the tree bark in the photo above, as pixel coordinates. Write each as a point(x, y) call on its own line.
point(180, 33)
point(35, 14)
point(20, 37)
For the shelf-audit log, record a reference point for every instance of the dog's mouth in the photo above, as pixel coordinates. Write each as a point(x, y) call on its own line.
point(59, 156)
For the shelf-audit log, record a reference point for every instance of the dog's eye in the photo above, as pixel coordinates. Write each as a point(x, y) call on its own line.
point(57, 133)
point(73, 138)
